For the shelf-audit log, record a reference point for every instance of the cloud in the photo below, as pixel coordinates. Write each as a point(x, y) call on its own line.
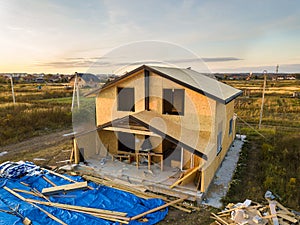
point(103, 62)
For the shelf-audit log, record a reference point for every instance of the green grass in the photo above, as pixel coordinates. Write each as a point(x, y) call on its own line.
point(63, 100)
point(270, 162)
point(36, 112)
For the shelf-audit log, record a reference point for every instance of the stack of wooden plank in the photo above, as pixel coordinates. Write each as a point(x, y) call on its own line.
point(273, 213)
point(140, 191)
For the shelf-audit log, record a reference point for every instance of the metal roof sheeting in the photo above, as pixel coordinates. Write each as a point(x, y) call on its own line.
point(199, 82)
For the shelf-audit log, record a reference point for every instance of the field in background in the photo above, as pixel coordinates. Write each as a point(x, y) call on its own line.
point(39, 109)
point(268, 162)
point(270, 159)
point(280, 108)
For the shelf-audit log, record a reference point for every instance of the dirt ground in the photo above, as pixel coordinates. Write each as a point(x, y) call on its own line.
point(54, 149)
point(177, 217)
point(46, 150)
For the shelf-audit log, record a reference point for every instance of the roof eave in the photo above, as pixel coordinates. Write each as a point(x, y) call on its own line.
point(233, 97)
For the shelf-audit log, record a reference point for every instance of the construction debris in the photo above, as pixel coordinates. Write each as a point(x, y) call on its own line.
point(64, 188)
point(86, 201)
point(252, 213)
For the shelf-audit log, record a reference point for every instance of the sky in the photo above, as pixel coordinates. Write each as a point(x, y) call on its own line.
point(64, 36)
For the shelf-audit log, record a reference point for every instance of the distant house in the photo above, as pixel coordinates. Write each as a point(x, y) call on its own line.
point(29, 78)
point(296, 94)
point(176, 115)
point(85, 80)
point(39, 80)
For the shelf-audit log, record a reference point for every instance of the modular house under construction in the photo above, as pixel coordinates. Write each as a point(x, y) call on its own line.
point(175, 119)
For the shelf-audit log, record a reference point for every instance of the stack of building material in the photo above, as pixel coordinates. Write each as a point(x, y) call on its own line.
point(35, 195)
point(251, 213)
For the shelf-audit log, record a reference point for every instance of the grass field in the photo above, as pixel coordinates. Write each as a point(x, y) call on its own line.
point(37, 111)
point(270, 159)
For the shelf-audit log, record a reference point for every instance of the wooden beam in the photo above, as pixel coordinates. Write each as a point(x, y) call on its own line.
point(284, 209)
point(220, 219)
point(132, 131)
point(185, 177)
point(272, 205)
point(44, 211)
point(81, 208)
point(287, 217)
point(76, 152)
point(49, 181)
point(26, 192)
point(156, 209)
point(59, 175)
point(64, 177)
point(64, 188)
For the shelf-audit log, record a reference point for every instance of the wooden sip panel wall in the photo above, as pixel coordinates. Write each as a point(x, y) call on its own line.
point(106, 102)
point(200, 113)
point(227, 139)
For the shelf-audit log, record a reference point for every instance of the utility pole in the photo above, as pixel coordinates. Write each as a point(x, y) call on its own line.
point(12, 89)
point(263, 98)
point(75, 90)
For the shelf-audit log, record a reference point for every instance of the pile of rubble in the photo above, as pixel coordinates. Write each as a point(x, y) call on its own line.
point(250, 212)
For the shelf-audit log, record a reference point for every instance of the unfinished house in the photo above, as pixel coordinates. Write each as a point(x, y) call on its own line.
point(170, 119)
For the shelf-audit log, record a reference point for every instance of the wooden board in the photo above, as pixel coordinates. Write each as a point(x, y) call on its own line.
point(191, 172)
point(64, 188)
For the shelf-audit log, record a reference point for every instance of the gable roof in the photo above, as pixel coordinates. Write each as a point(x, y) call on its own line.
point(191, 79)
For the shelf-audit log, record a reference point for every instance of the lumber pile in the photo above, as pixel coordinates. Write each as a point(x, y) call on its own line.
point(141, 192)
point(254, 213)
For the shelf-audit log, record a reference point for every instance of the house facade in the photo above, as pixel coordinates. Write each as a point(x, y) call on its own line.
point(181, 116)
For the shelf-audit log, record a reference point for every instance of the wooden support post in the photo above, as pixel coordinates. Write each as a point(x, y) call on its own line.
point(76, 152)
point(72, 155)
point(149, 161)
point(137, 160)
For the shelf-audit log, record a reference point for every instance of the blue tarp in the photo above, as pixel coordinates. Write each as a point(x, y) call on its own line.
point(101, 197)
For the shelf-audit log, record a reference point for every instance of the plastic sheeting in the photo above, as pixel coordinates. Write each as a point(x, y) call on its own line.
point(101, 197)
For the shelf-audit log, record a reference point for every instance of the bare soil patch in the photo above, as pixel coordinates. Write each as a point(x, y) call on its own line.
point(45, 150)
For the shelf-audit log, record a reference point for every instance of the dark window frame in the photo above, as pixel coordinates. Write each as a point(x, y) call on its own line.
point(219, 142)
point(230, 126)
point(170, 102)
point(121, 100)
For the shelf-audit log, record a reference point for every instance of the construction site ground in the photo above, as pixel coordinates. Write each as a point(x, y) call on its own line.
point(53, 150)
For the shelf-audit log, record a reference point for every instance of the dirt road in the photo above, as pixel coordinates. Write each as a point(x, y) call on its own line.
point(42, 150)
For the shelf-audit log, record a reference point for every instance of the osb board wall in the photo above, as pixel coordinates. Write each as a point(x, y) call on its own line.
point(198, 109)
point(209, 172)
point(90, 145)
point(109, 140)
point(106, 102)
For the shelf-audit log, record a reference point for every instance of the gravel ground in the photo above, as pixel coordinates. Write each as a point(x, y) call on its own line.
point(220, 184)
